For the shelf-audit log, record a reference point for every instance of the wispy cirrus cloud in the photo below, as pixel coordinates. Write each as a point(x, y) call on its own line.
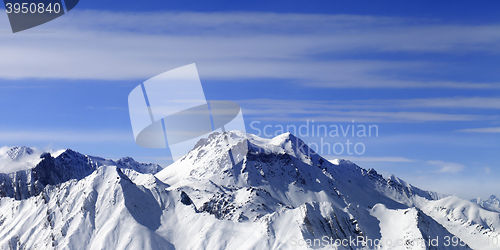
point(374, 104)
point(117, 46)
point(449, 102)
point(23, 86)
point(371, 116)
point(447, 167)
point(16, 136)
point(369, 110)
point(481, 130)
point(376, 159)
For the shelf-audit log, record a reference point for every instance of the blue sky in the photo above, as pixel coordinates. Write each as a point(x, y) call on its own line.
point(425, 73)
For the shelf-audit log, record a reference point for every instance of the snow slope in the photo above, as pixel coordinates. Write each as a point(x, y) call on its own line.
point(105, 210)
point(281, 195)
point(411, 229)
point(281, 175)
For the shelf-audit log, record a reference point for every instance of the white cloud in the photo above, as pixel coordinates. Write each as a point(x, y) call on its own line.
point(481, 130)
point(116, 46)
point(374, 104)
point(377, 159)
point(65, 136)
point(447, 167)
point(7, 165)
point(346, 111)
point(371, 116)
point(452, 102)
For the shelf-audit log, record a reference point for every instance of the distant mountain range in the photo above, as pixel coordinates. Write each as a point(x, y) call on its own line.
point(65, 165)
point(17, 158)
point(492, 203)
point(278, 197)
point(16, 153)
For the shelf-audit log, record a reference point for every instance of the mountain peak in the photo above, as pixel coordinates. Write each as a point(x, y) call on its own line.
point(232, 138)
point(17, 158)
point(276, 193)
point(492, 203)
point(286, 138)
point(283, 166)
point(16, 152)
point(126, 159)
point(129, 163)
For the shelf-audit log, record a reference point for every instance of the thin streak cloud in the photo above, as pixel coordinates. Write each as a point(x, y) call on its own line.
point(367, 110)
point(64, 136)
point(378, 159)
point(447, 167)
point(228, 46)
point(481, 130)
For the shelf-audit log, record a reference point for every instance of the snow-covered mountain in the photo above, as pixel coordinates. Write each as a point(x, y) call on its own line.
point(63, 166)
point(280, 196)
point(492, 203)
point(16, 153)
point(18, 158)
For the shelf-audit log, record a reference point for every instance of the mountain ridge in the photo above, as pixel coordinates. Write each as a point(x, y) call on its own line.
point(66, 165)
point(273, 194)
